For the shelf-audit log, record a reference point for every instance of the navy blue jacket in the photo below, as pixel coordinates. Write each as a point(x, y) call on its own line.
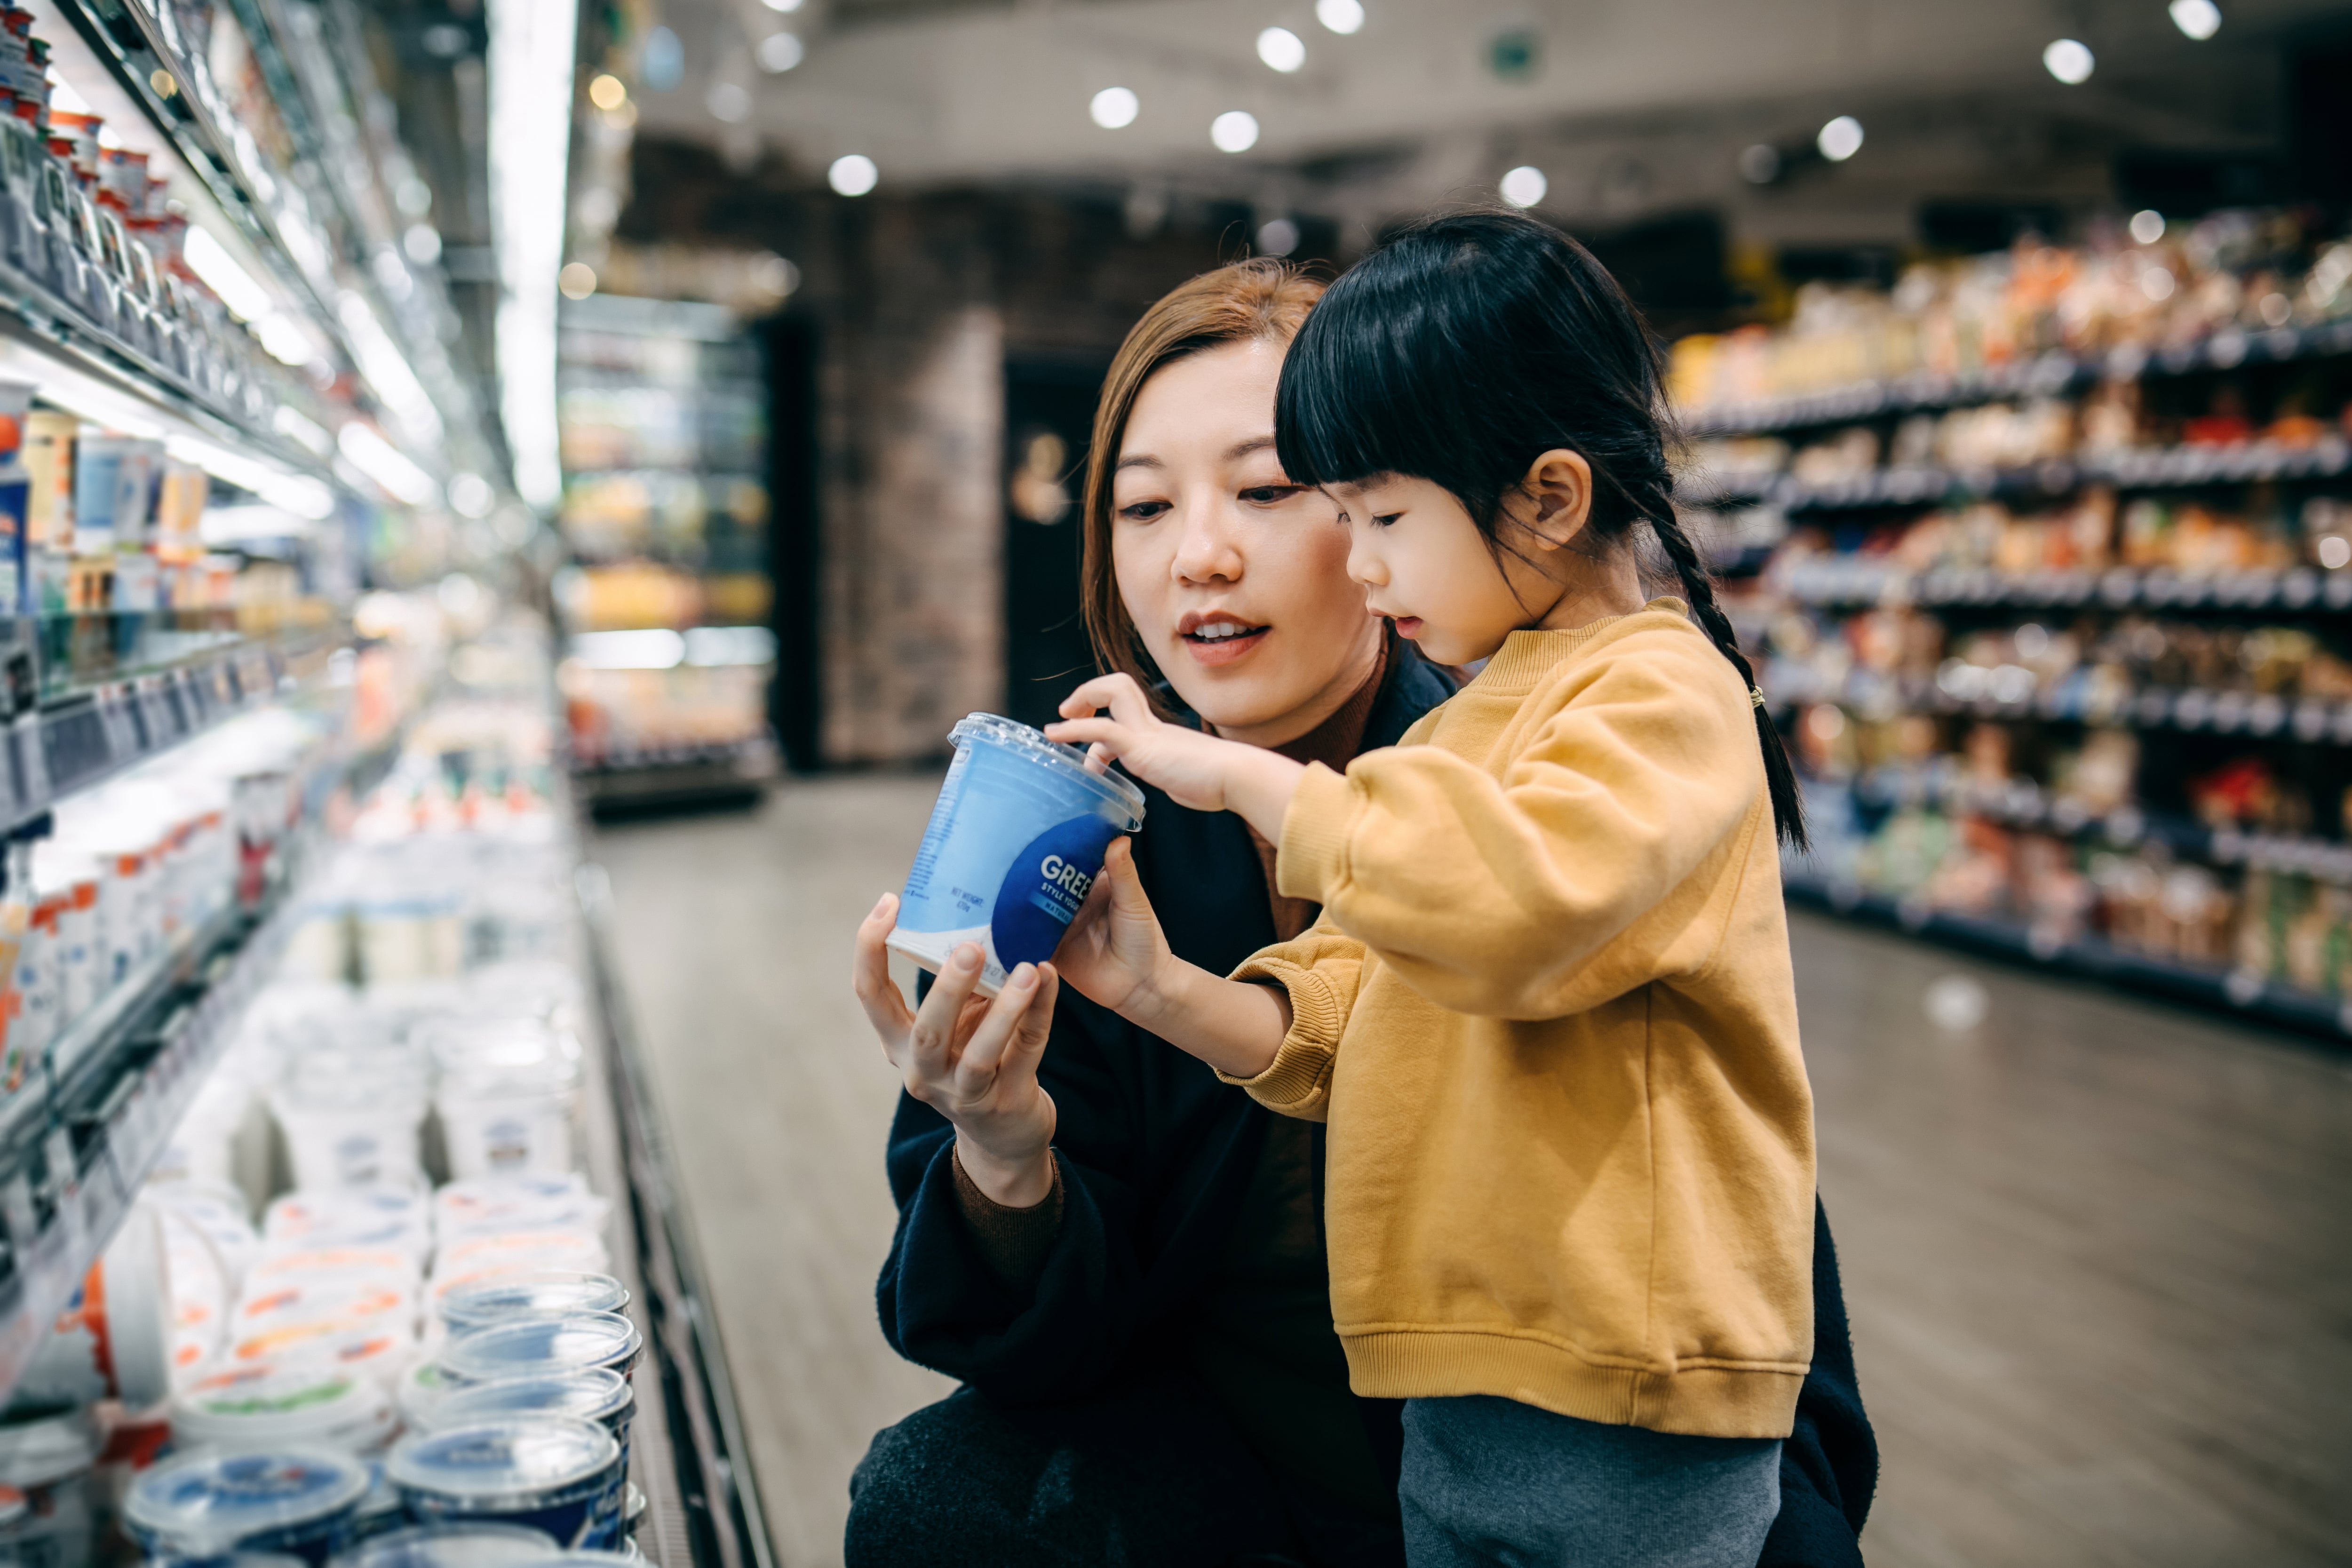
point(1156, 1155)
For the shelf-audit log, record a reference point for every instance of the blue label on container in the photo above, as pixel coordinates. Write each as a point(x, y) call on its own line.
point(1047, 884)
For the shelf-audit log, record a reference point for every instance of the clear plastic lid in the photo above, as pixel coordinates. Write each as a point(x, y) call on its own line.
point(1015, 736)
point(282, 1404)
point(533, 1345)
point(452, 1546)
point(210, 1502)
point(496, 1464)
point(533, 1293)
point(592, 1395)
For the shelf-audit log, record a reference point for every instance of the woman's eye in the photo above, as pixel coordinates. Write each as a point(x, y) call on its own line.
point(1266, 495)
point(1143, 511)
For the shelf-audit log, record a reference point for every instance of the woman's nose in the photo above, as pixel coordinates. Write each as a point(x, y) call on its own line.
point(1206, 549)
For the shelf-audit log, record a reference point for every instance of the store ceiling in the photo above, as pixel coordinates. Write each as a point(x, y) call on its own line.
point(1416, 106)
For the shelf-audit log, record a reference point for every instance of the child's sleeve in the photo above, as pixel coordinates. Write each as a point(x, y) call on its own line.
point(1569, 879)
point(1319, 968)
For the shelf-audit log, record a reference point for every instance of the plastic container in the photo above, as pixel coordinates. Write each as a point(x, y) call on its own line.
point(47, 1464)
point(263, 1407)
point(1014, 842)
point(562, 1476)
point(453, 1546)
point(297, 1501)
point(114, 1338)
point(603, 1398)
point(355, 1133)
point(353, 1216)
point(536, 1347)
point(535, 1294)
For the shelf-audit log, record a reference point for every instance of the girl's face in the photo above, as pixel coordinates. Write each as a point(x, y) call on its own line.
point(1236, 579)
point(1424, 564)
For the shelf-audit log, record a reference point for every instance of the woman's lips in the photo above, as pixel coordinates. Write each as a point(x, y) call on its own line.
point(1214, 651)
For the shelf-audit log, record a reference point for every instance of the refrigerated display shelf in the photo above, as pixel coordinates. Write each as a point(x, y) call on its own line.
point(2235, 990)
point(2310, 720)
point(653, 778)
point(2151, 467)
point(1860, 580)
point(2045, 376)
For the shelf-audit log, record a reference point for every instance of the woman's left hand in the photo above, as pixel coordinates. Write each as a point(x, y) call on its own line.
point(1193, 768)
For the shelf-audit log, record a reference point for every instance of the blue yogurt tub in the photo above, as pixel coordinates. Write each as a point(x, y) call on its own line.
point(590, 1393)
point(297, 1501)
point(547, 1474)
point(1017, 839)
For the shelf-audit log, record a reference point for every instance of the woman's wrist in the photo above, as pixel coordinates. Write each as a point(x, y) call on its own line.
point(1022, 1182)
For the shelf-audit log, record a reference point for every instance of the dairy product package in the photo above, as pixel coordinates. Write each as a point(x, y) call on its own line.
point(1013, 844)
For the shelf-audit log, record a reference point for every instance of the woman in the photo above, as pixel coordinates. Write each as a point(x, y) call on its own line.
point(1121, 1258)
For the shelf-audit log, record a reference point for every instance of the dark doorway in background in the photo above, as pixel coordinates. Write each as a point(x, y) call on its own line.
point(796, 701)
point(1049, 412)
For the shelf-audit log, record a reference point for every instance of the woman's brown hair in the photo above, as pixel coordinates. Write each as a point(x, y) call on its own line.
point(1260, 300)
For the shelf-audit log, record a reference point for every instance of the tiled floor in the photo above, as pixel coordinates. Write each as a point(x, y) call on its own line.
point(2094, 1248)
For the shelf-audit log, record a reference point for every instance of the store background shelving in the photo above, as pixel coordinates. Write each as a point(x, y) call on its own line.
point(2056, 607)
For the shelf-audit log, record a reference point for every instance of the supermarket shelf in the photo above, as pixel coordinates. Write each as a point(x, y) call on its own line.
point(2311, 721)
point(1862, 580)
point(2152, 467)
point(2047, 376)
point(2235, 990)
point(680, 776)
point(67, 1178)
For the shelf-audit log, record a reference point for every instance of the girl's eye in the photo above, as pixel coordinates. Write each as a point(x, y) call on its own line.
point(1143, 511)
point(1383, 518)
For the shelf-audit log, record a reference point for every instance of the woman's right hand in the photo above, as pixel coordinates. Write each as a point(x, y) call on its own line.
point(972, 1060)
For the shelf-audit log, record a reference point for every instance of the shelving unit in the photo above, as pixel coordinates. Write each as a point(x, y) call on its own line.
point(2053, 761)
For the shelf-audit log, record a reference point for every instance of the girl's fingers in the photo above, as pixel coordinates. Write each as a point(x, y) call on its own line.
point(1119, 693)
point(877, 993)
point(1098, 759)
point(1108, 736)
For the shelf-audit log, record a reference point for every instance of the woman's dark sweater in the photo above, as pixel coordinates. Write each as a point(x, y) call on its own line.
point(1162, 1167)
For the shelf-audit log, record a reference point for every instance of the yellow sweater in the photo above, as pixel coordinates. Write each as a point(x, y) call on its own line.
point(1550, 1014)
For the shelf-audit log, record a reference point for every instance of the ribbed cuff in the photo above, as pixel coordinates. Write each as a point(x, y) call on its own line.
point(1314, 848)
point(1298, 1079)
point(1014, 1243)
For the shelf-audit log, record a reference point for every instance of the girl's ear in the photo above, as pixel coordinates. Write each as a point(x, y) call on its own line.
point(1558, 497)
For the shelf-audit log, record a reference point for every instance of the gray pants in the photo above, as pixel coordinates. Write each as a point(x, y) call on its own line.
point(1491, 1481)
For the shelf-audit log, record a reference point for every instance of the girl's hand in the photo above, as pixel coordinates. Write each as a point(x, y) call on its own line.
point(1115, 951)
point(972, 1060)
point(1194, 769)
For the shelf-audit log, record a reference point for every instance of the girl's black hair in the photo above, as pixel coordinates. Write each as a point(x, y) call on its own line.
point(1469, 346)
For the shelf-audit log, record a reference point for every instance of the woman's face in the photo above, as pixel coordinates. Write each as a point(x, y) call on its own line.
point(1236, 578)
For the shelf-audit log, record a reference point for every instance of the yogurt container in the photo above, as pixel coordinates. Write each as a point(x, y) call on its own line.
point(549, 1474)
point(603, 1398)
point(538, 1293)
point(266, 1407)
point(453, 1546)
point(300, 1501)
point(1017, 839)
point(540, 1346)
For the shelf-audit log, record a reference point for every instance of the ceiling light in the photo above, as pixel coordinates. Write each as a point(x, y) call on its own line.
point(2069, 60)
point(727, 100)
point(1759, 164)
point(532, 44)
point(608, 92)
point(577, 280)
point(1339, 16)
point(852, 174)
point(1115, 108)
point(1281, 48)
point(1840, 139)
point(781, 52)
point(2200, 19)
point(1277, 237)
point(785, 5)
point(1525, 186)
point(1234, 130)
point(2147, 225)
point(210, 261)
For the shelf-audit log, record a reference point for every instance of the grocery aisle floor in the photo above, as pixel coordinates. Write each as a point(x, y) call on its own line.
point(2094, 1246)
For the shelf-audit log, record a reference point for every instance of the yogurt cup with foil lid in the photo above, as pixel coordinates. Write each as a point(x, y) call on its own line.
point(1014, 842)
point(529, 1293)
point(264, 1405)
point(595, 1394)
point(453, 1546)
point(377, 1346)
point(299, 1502)
point(558, 1475)
point(536, 1346)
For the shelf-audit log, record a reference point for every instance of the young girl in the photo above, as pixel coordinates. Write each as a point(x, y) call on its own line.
point(1548, 1010)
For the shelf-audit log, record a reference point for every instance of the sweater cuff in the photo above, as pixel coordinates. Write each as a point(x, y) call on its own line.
point(1298, 1082)
point(1014, 1242)
point(1314, 848)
